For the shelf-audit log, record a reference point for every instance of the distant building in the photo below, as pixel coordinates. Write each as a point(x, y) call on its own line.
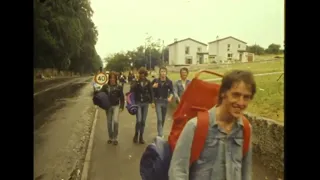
point(187, 51)
point(228, 49)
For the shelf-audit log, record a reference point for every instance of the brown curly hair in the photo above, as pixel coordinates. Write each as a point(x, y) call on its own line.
point(113, 73)
point(143, 70)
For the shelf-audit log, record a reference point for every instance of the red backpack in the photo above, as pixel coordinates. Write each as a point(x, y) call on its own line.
point(190, 107)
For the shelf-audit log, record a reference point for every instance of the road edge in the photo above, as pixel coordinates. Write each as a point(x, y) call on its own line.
point(87, 160)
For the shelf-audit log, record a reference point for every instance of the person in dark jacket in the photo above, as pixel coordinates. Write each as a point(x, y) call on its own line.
point(130, 77)
point(142, 90)
point(122, 78)
point(163, 93)
point(116, 97)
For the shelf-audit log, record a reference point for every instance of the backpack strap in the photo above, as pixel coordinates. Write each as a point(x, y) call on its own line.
point(200, 135)
point(246, 135)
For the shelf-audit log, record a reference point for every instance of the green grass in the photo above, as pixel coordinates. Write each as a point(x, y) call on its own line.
point(269, 100)
point(255, 67)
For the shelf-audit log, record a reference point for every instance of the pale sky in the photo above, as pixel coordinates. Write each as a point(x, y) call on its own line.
point(123, 24)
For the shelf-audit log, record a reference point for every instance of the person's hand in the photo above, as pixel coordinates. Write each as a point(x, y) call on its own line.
point(155, 85)
point(153, 105)
point(178, 101)
point(169, 99)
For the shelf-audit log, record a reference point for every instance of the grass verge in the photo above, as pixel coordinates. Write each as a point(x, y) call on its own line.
point(255, 67)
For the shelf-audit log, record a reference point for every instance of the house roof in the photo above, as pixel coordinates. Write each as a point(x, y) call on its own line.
point(187, 39)
point(227, 38)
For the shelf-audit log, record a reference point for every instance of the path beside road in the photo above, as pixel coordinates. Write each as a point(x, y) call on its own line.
point(119, 162)
point(122, 162)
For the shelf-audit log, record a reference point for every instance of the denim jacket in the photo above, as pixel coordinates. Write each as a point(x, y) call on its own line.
point(178, 88)
point(221, 158)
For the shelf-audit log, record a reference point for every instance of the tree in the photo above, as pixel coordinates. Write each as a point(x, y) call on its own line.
point(65, 36)
point(273, 49)
point(256, 49)
point(139, 57)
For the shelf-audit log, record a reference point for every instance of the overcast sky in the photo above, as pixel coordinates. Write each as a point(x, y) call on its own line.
point(123, 24)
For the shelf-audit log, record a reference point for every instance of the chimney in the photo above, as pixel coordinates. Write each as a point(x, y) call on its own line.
point(175, 39)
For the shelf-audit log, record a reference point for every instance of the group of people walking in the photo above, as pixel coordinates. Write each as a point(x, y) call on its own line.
point(158, 93)
point(227, 148)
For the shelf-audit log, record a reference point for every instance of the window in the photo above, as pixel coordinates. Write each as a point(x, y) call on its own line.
point(229, 56)
point(199, 49)
point(239, 45)
point(228, 49)
point(188, 60)
point(228, 45)
point(187, 50)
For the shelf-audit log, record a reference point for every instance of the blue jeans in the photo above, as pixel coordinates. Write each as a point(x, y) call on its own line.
point(161, 111)
point(113, 122)
point(141, 117)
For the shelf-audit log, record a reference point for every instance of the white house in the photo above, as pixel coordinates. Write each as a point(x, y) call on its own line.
point(187, 51)
point(229, 48)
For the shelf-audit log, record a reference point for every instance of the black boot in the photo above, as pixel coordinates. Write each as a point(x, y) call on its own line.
point(141, 141)
point(135, 137)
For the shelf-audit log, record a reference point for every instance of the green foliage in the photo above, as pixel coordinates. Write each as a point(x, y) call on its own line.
point(65, 36)
point(272, 49)
point(256, 49)
point(150, 56)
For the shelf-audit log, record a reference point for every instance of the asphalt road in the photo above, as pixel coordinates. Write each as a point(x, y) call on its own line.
point(62, 131)
point(61, 140)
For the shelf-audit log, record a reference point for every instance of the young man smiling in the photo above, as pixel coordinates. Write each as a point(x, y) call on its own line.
point(221, 158)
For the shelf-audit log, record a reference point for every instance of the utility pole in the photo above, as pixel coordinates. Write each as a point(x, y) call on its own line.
point(150, 57)
point(217, 58)
point(148, 39)
point(163, 51)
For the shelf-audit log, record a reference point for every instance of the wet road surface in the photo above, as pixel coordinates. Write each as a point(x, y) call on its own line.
point(121, 162)
point(41, 84)
point(63, 120)
point(54, 96)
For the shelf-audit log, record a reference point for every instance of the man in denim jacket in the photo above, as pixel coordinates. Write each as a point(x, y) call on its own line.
point(221, 158)
point(180, 85)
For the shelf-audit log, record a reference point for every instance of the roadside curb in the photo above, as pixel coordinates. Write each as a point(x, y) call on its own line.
point(86, 165)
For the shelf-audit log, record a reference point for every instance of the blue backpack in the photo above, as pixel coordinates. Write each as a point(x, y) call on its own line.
point(155, 161)
point(131, 104)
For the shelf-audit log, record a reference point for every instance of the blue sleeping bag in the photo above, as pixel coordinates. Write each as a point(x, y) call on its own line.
point(131, 104)
point(101, 99)
point(155, 160)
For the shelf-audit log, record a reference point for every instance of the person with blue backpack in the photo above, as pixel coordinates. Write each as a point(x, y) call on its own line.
point(115, 95)
point(181, 84)
point(163, 93)
point(143, 96)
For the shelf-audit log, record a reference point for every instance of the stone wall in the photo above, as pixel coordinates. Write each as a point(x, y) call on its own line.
point(268, 142)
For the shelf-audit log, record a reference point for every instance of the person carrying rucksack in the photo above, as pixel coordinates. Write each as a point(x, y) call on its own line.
point(222, 156)
point(116, 98)
point(181, 84)
point(143, 94)
point(163, 93)
point(210, 137)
